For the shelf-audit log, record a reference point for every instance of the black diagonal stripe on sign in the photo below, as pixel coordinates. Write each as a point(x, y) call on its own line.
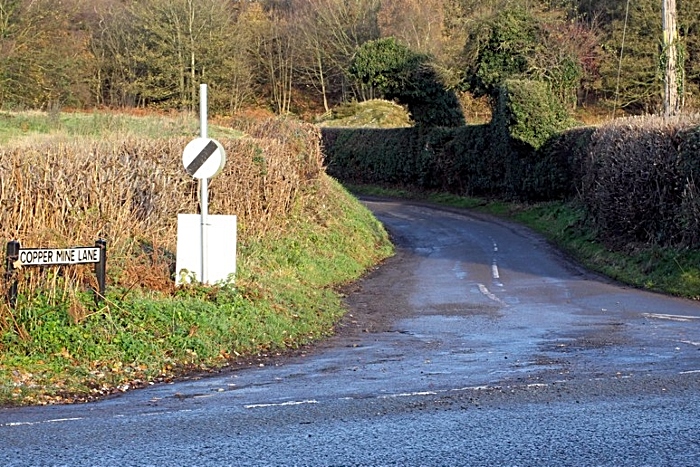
point(201, 158)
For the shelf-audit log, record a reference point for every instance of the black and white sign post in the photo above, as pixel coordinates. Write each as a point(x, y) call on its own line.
point(203, 158)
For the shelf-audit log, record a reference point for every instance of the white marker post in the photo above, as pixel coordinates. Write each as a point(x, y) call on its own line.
point(204, 182)
point(203, 158)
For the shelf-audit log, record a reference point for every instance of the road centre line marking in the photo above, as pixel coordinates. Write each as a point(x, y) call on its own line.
point(494, 265)
point(689, 372)
point(409, 394)
point(484, 290)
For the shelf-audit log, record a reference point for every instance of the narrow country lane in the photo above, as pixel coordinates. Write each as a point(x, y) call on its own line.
point(476, 345)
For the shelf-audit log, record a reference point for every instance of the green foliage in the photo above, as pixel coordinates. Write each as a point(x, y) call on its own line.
point(386, 156)
point(467, 162)
point(529, 112)
point(407, 77)
point(428, 100)
point(385, 65)
point(525, 42)
point(557, 168)
point(498, 159)
point(510, 38)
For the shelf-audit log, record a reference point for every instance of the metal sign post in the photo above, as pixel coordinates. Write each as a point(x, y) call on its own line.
point(204, 183)
point(203, 158)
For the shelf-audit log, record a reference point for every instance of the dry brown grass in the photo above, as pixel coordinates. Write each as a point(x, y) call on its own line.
point(60, 192)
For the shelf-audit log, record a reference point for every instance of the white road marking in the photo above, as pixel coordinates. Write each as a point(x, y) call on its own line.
point(56, 420)
point(347, 398)
point(475, 388)
point(495, 273)
point(408, 394)
point(697, 344)
point(494, 266)
point(682, 318)
point(484, 290)
point(282, 404)
point(689, 372)
point(459, 272)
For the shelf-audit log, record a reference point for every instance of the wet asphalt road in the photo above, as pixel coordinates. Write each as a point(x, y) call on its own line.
point(482, 347)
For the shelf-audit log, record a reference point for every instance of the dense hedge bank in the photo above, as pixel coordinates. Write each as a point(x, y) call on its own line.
point(497, 159)
point(638, 178)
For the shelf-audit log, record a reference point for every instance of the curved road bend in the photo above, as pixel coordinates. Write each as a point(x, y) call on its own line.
point(476, 345)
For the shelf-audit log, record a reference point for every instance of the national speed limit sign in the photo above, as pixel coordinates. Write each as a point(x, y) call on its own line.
point(203, 157)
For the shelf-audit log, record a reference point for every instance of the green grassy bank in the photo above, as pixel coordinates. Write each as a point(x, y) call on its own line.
point(284, 297)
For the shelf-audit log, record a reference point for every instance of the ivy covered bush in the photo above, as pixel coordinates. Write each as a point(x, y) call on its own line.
point(389, 69)
point(529, 113)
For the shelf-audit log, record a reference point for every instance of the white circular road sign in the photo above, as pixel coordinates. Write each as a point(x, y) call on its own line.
point(203, 157)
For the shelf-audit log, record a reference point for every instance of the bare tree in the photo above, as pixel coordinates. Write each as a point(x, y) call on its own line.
point(416, 23)
point(271, 44)
point(330, 32)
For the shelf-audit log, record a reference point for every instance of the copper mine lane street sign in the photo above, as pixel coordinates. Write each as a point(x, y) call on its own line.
point(57, 256)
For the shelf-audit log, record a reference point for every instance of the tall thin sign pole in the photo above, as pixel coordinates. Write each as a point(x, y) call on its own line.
point(204, 185)
point(671, 98)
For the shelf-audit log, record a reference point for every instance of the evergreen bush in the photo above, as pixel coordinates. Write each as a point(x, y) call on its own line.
point(526, 115)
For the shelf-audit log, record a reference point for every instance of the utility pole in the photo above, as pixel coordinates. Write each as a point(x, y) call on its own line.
point(671, 98)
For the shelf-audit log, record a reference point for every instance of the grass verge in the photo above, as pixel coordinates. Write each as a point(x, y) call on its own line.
point(284, 297)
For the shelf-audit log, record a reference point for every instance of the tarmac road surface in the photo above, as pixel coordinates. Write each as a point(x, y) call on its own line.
point(478, 344)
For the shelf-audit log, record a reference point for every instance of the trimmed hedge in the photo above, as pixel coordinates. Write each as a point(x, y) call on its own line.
point(498, 159)
point(688, 144)
point(390, 157)
point(557, 168)
point(640, 179)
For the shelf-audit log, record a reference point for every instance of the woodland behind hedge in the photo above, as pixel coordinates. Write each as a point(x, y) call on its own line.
point(636, 177)
point(298, 56)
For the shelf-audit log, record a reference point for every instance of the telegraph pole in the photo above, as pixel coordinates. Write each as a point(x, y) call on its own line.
point(671, 98)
